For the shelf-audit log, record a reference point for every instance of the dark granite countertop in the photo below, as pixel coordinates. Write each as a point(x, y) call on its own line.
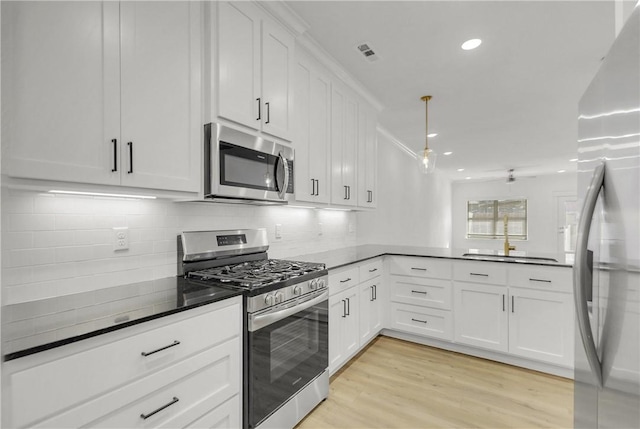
point(35, 326)
point(338, 258)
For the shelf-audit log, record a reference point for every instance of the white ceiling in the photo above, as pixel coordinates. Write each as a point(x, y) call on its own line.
point(511, 103)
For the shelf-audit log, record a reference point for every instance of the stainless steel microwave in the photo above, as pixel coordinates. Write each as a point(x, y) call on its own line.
point(243, 168)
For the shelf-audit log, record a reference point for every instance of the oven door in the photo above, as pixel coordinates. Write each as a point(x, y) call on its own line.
point(288, 348)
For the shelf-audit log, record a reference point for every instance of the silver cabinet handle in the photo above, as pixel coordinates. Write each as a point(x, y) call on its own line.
point(581, 271)
point(348, 306)
point(419, 291)
point(344, 308)
point(373, 271)
point(513, 304)
point(502, 302)
point(418, 269)
point(175, 343)
point(146, 416)
point(479, 274)
point(418, 320)
point(346, 195)
point(345, 280)
point(375, 292)
point(268, 113)
point(540, 280)
point(372, 295)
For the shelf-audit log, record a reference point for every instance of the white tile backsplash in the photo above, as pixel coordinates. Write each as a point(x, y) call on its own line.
point(56, 245)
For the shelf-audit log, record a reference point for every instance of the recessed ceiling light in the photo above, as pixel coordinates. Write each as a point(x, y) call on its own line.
point(448, 153)
point(573, 160)
point(561, 171)
point(471, 44)
point(467, 178)
point(460, 169)
point(432, 135)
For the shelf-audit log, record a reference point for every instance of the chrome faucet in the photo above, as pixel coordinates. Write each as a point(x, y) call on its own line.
point(507, 247)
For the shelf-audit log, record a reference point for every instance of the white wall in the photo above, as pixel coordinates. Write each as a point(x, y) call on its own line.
point(413, 209)
point(540, 193)
point(56, 245)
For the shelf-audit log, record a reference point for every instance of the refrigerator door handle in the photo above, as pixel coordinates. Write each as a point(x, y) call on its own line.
point(581, 274)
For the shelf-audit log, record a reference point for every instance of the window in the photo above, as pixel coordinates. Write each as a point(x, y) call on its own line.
point(485, 219)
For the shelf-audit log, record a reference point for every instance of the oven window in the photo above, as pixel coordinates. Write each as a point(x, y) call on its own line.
point(283, 357)
point(293, 344)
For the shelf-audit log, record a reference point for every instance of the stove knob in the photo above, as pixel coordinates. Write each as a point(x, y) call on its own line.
point(321, 283)
point(269, 300)
point(297, 290)
point(279, 297)
point(313, 284)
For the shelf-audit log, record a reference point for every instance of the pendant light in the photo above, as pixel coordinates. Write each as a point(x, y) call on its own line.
point(428, 159)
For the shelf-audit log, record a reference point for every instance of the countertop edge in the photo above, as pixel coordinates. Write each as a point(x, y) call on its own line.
point(59, 343)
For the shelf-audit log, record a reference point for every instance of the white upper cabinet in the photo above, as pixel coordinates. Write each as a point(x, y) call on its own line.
point(254, 79)
point(367, 157)
point(103, 93)
point(60, 90)
point(161, 94)
point(344, 147)
point(312, 99)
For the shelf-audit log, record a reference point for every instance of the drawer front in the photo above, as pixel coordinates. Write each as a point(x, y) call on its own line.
point(429, 322)
point(432, 293)
point(420, 267)
point(559, 279)
point(42, 390)
point(180, 394)
point(370, 270)
point(480, 272)
point(343, 278)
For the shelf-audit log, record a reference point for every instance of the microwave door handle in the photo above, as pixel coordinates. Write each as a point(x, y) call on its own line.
point(282, 187)
point(581, 272)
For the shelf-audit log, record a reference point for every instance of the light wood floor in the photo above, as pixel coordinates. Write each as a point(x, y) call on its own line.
point(398, 384)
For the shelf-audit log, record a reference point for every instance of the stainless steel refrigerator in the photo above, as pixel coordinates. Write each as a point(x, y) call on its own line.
point(607, 267)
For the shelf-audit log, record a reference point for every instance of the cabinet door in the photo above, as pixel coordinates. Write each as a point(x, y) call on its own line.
point(481, 317)
point(337, 314)
point(370, 310)
point(161, 82)
point(312, 101)
point(352, 323)
point(60, 90)
point(541, 325)
point(277, 80)
point(238, 62)
point(367, 158)
point(344, 116)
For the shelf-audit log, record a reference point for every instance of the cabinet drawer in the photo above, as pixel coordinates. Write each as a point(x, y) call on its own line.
point(370, 270)
point(480, 272)
point(180, 394)
point(50, 386)
point(558, 279)
point(432, 293)
point(420, 267)
point(343, 278)
point(429, 322)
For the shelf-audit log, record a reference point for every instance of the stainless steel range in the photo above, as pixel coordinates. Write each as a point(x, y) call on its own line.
point(286, 302)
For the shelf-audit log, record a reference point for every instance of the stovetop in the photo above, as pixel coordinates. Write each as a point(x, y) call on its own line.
point(253, 275)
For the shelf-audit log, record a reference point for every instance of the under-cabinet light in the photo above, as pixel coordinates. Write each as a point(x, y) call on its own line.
point(102, 194)
point(337, 209)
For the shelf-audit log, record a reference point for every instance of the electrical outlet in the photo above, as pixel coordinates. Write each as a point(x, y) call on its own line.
point(278, 230)
point(120, 238)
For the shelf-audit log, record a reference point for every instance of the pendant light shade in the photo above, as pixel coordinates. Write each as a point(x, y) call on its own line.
point(428, 159)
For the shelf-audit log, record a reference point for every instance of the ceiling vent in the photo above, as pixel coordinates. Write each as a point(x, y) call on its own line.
point(367, 52)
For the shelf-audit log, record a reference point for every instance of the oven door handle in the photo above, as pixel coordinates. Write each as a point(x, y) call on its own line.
point(257, 321)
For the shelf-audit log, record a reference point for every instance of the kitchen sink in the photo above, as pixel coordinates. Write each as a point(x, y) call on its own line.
point(506, 258)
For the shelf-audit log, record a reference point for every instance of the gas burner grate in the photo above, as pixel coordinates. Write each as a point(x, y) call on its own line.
point(255, 274)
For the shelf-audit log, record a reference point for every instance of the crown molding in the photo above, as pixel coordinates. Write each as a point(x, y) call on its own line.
point(385, 133)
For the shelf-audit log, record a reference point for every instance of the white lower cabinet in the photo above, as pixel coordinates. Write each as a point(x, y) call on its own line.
point(429, 322)
point(481, 315)
point(541, 325)
point(344, 330)
point(130, 378)
point(371, 295)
